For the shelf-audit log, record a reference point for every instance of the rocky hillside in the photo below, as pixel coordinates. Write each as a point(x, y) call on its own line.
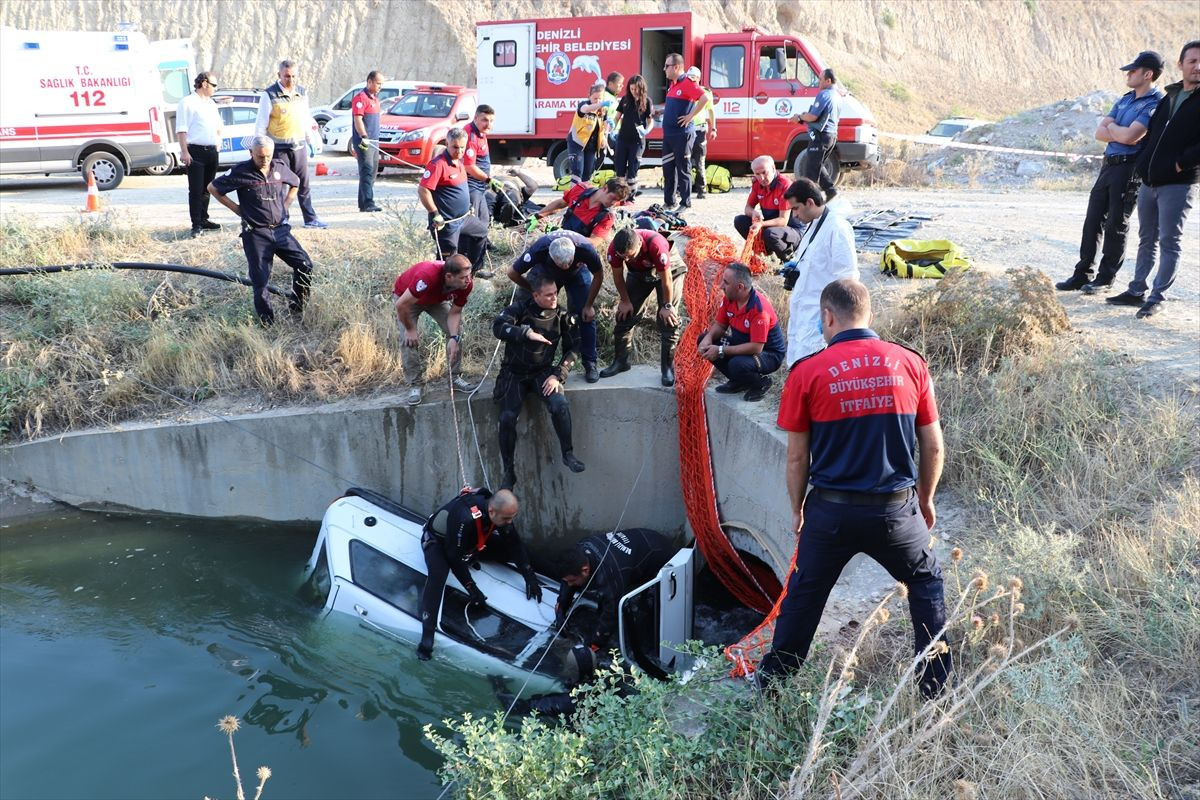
point(913, 61)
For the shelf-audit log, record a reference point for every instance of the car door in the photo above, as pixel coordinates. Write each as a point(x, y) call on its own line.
point(238, 130)
point(725, 75)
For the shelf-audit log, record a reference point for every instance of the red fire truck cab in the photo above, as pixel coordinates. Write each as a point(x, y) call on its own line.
point(535, 72)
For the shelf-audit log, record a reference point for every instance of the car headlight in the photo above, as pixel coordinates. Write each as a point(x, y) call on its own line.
point(414, 136)
point(341, 126)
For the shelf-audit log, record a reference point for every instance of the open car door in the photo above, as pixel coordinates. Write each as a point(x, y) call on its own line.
point(657, 615)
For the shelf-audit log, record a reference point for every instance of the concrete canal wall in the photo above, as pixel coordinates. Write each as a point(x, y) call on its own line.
point(289, 464)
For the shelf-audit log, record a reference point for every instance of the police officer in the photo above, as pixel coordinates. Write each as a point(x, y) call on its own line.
point(533, 328)
point(588, 208)
point(745, 341)
point(443, 192)
point(608, 566)
point(573, 264)
point(642, 263)
point(1115, 191)
point(265, 188)
point(475, 525)
point(822, 119)
point(283, 115)
point(853, 413)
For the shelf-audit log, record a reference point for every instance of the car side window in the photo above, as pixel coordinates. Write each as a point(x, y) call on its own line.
point(388, 94)
point(386, 578)
point(344, 103)
point(243, 116)
point(726, 66)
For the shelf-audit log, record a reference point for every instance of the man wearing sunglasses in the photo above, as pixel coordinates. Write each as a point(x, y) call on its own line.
point(198, 127)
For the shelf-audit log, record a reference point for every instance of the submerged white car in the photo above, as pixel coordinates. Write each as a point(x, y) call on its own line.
point(368, 563)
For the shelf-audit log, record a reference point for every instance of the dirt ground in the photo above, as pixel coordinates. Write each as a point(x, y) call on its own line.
point(999, 230)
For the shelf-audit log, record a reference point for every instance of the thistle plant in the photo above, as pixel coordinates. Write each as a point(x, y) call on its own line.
point(229, 725)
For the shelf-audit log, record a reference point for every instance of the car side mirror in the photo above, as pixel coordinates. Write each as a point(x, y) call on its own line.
point(462, 116)
point(781, 62)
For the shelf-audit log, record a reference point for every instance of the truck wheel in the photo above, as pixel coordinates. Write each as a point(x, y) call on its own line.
point(106, 168)
point(560, 164)
point(833, 166)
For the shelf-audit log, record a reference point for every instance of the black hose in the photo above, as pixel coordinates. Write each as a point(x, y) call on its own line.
point(142, 265)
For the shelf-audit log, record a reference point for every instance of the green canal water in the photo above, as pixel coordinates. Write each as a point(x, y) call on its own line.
point(124, 639)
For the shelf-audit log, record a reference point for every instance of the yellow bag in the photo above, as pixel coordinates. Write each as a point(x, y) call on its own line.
point(916, 258)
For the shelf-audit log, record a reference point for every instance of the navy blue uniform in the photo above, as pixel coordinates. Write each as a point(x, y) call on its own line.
point(678, 139)
point(265, 231)
point(860, 400)
point(620, 562)
point(576, 279)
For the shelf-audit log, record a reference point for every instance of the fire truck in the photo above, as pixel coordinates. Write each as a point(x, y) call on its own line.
point(534, 72)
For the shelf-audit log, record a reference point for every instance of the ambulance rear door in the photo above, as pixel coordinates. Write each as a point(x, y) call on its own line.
point(505, 74)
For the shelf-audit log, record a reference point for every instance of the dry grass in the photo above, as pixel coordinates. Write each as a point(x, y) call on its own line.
point(93, 348)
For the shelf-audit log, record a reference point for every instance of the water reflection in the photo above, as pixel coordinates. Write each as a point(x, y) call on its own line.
point(143, 632)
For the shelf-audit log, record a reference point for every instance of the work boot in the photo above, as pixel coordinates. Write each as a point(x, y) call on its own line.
point(620, 364)
point(590, 373)
point(509, 480)
point(572, 463)
point(667, 359)
point(1073, 283)
point(425, 648)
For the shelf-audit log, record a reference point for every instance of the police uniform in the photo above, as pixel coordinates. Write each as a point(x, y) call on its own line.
point(644, 275)
point(780, 241)
point(526, 366)
point(861, 401)
point(822, 137)
point(576, 279)
point(447, 182)
point(455, 535)
point(284, 116)
point(756, 321)
point(620, 561)
point(265, 231)
point(1113, 195)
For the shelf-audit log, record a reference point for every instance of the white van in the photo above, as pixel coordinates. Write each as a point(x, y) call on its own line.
point(341, 107)
point(72, 101)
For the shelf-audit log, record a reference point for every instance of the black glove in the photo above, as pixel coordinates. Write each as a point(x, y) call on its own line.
point(476, 596)
point(533, 589)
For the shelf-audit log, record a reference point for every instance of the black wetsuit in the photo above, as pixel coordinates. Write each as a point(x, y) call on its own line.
point(527, 365)
point(620, 561)
point(456, 534)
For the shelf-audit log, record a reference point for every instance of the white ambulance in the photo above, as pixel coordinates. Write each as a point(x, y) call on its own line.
point(74, 101)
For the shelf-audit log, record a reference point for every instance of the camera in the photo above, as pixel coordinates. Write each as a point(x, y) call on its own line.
point(790, 273)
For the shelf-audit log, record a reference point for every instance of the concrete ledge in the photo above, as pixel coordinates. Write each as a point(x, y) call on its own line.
point(287, 465)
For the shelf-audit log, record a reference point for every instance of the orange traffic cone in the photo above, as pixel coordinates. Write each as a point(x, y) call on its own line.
point(322, 169)
point(93, 194)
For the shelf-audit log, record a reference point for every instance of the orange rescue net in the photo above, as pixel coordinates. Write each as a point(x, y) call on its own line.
point(706, 254)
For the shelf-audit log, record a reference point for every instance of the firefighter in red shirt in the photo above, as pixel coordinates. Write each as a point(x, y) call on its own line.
point(854, 413)
point(588, 209)
point(642, 264)
point(439, 289)
point(745, 341)
point(442, 191)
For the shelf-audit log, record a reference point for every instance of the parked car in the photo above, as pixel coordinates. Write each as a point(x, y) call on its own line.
point(418, 122)
point(949, 128)
point(341, 107)
point(237, 129)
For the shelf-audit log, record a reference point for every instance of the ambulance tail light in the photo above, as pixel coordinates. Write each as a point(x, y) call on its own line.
point(155, 126)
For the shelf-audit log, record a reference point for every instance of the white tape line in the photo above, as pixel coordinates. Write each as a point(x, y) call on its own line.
point(987, 148)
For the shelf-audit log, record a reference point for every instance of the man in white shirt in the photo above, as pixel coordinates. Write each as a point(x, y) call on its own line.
point(825, 254)
point(198, 127)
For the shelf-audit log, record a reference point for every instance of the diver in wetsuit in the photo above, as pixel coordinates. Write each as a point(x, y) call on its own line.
point(533, 328)
point(476, 524)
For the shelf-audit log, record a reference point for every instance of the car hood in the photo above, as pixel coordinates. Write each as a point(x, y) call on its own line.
point(391, 122)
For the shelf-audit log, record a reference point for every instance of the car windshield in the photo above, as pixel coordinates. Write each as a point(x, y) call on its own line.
point(423, 104)
point(947, 129)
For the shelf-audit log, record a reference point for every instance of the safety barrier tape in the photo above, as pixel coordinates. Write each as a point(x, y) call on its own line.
point(989, 148)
